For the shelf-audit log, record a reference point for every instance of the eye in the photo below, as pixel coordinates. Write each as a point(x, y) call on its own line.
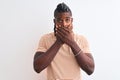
point(59, 20)
point(67, 20)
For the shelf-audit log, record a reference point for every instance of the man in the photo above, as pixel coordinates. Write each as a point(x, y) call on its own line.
point(63, 52)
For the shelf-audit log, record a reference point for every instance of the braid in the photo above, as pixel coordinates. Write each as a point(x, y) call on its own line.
point(62, 7)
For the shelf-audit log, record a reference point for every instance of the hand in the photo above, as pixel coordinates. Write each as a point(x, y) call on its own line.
point(55, 32)
point(65, 34)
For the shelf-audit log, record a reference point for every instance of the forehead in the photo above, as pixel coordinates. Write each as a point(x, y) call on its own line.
point(63, 15)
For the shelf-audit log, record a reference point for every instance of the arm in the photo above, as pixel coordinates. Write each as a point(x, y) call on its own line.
point(43, 59)
point(85, 60)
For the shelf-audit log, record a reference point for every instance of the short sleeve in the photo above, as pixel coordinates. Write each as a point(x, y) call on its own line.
point(42, 44)
point(84, 45)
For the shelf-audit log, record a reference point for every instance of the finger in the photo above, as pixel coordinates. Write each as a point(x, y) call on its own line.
point(63, 31)
point(59, 36)
point(70, 27)
point(56, 27)
point(66, 29)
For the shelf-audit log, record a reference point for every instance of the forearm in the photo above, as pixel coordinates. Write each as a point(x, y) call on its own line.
point(85, 60)
point(43, 60)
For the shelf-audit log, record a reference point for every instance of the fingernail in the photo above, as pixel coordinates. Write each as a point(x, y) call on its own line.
point(59, 25)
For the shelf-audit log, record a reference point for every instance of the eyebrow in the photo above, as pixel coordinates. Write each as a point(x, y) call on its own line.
point(65, 17)
point(68, 17)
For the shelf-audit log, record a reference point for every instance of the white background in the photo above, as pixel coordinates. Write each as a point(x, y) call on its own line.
point(22, 22)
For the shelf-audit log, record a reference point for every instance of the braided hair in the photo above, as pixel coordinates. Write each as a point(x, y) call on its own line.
point(62, 7)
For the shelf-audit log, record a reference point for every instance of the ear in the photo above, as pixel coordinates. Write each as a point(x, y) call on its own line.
point(71, 19)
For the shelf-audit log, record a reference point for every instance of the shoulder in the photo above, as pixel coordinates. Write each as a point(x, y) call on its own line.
point(48, 37)
point(83, 43)
point(81, 39)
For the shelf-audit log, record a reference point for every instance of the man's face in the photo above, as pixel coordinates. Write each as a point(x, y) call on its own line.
point(63, 19)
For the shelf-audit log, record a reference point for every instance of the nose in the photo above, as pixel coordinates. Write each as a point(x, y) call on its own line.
point(64, 23)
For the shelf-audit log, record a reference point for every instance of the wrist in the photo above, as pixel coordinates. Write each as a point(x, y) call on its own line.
point(80, 51)
point(75, 48)
point(59, 42)
point(72, 44)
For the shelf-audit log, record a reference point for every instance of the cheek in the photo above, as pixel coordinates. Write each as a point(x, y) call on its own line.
point(71, 26)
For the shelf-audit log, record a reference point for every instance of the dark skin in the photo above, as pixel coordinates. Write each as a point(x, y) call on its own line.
point(64, 35)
